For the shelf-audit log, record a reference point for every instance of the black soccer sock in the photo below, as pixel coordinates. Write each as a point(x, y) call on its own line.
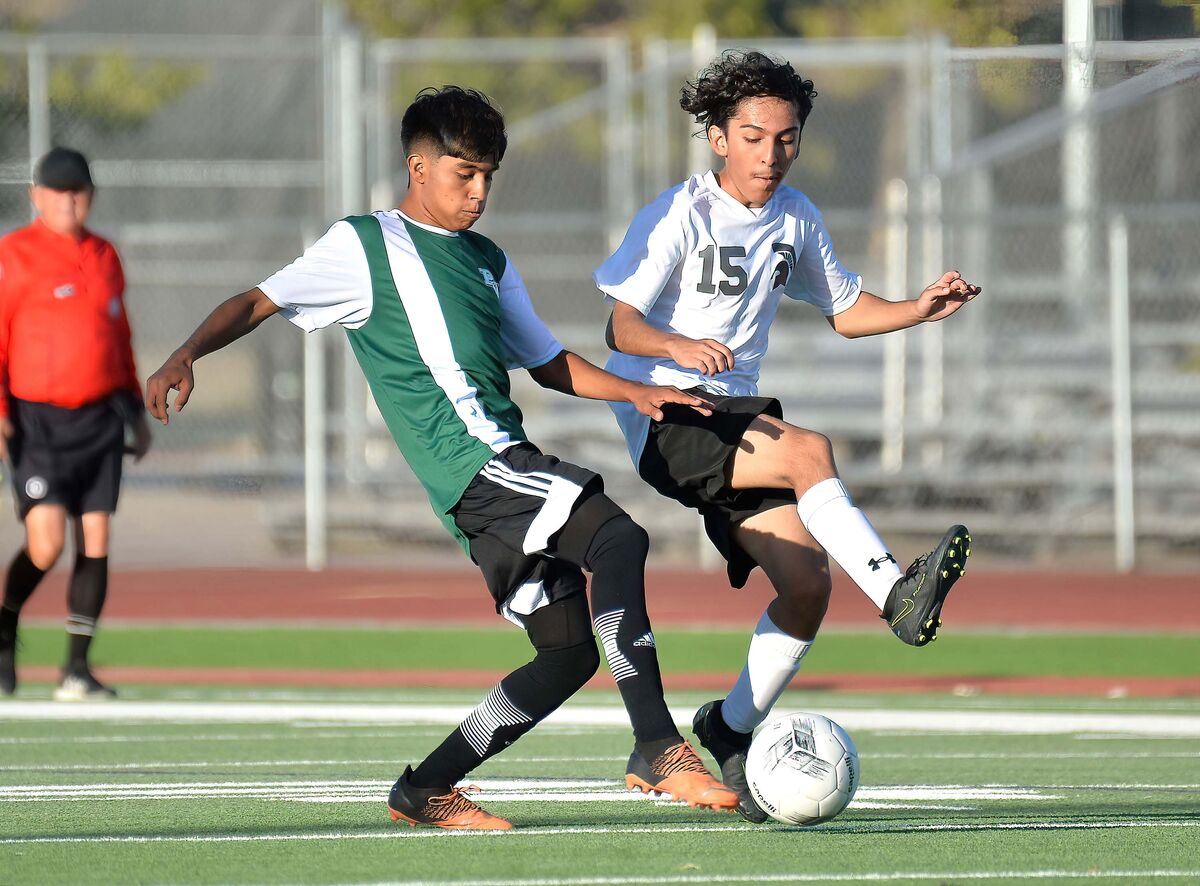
point(615, 554)
point(85, 599)
point(565, 661)
point(20, 583)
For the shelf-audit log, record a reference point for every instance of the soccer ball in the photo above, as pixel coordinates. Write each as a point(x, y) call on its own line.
point(802, 768)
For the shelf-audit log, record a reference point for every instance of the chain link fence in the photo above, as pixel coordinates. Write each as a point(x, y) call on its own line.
point(1017, 416)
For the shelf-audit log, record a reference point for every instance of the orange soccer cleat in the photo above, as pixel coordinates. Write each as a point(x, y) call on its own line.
point(678, 772)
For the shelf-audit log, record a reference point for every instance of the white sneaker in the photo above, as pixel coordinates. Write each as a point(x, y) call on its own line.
point(82, 687)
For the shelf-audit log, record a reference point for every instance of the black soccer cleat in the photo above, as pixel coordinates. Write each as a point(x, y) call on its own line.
point(914, 605)
point(729, 750)
point(82, 685)
point(438, 808)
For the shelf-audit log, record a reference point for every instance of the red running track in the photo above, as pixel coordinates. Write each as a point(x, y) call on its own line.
point(984, 599)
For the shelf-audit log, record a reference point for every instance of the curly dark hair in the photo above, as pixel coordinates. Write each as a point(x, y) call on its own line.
point(714, 96)
point(456, 121)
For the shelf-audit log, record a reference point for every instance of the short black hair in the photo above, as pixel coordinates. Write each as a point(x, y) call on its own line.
point(456, 121)
point(714, 96)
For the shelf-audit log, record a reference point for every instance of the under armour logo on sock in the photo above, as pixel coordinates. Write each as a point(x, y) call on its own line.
point(875, 564)
point(647, 639)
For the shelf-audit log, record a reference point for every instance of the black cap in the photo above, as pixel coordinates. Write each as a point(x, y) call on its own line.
point(63, 169)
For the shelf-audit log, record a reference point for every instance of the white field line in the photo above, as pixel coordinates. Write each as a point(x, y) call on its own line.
point(271, 764)
point(353, 732)
point(809, 877)
point(972, 722)
point(890, 827)
point(491, 791)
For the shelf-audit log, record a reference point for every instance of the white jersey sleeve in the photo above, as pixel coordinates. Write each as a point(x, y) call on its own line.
point(654, 245)
point(528, 343)
point(821, 280)
point(330, 283)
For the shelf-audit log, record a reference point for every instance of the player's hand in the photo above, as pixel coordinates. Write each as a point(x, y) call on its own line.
point(941, 299)
point(707, 355)
point(649, 400)
point(175, 374)
point(6, 431)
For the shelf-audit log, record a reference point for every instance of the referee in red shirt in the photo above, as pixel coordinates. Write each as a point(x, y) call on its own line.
point(68, 389)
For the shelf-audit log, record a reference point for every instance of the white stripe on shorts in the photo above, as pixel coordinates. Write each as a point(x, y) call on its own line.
point(515, 482)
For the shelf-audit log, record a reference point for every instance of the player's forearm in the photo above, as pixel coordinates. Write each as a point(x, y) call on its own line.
point(872, 315)
point(229, 321)
point(631, 334)
point(572, 374)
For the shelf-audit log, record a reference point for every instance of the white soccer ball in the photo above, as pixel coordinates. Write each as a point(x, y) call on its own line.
point(802, 768)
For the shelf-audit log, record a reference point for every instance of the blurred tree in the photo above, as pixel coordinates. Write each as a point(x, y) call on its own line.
point(967, 22)
point(103, 91)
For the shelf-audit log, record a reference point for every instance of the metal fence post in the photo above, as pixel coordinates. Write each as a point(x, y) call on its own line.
point(656, 118)
point(316, 524)
point(891, 452)
point(1078, 154)
point(351, 189)
point(1124, 529)
point(40, 134)
point(932, 344)
point(620, 190)
point(316, 517)
point(704, 47)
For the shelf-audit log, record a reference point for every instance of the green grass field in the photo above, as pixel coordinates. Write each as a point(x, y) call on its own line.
point(175, 785)
point(680, 651)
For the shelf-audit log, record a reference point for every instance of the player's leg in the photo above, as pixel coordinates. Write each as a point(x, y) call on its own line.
point(566, 659)
point(603, 539)
point(86, 594)
point(774, 454)
point(98, 486)
point(799, 572)
point(45, 533)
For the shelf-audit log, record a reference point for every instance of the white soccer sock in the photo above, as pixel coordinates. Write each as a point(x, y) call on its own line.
point(772, 661)
point(849, 538)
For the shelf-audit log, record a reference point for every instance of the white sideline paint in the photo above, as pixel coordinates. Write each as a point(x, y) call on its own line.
point(518, 833)
point(491, 791)
point(809, 877)
point(516, 758)
point(995, 722)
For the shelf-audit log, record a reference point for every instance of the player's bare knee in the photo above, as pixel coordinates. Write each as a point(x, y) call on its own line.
point(809, 595)
point(818, 450)
point(44, 552)
point(811, 458)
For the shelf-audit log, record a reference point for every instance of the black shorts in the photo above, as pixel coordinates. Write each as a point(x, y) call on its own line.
point(687, 457)
point(68, 457)
point(511, 513)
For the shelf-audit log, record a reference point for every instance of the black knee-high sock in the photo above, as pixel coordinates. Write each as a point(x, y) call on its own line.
point(522, 699)
point(20, 583)
point(85, 599)
point(616, 556)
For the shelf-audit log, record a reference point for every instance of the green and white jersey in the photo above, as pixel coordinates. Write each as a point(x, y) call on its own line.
point(437, 319)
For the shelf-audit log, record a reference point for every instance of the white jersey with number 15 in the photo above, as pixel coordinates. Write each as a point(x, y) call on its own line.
point(698, 263)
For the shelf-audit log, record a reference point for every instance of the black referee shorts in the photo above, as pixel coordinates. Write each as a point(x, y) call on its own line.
point(68, 457)
point(687, 456)
point(511, 513)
